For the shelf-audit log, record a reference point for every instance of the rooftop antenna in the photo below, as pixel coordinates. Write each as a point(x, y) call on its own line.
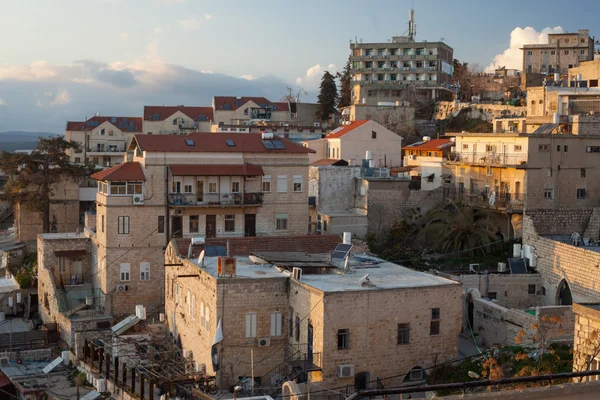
point(412, 27)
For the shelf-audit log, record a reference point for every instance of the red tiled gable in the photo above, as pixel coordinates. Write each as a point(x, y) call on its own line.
point(435, 144)
point(164, 112)
point(326, 162)
point(217, 170)
point(127, 171)
point(346, 129)
point(237, 102)
point(282, 106)
point(75, 125)
point(122, 123)
point(207, 142)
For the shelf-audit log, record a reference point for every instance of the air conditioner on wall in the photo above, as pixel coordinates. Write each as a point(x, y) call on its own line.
point(264, 342)
point(138, 199)
point(345, 371)
point(122, 288)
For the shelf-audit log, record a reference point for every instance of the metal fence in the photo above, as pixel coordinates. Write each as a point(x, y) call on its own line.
point(491, 158)
point(215, 199)
point(482, 198)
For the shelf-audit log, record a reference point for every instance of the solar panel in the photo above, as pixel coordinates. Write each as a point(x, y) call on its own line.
point(230, 143)
point(189, 142)
point(517, 266)
point(210, 251)
point(221, 250)
point(341, 251)
point(113, 120)
point(268, 144)
point(278, 144)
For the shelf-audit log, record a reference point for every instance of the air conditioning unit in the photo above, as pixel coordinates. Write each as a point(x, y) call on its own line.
point(474, 268)
point(282, 124)
point(297, 273)
point(345, 371)
point(264, 342)
point(501, 267)
point(317, 124)
point(407, 68)
point(122, 288)
point(138, 199)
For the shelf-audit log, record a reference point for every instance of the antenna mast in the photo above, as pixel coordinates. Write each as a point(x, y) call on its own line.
point(412, 27)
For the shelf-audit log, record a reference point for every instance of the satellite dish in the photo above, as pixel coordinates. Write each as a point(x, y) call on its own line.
point(201, 258)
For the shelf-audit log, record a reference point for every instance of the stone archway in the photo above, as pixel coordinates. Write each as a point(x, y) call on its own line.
point(563, 294)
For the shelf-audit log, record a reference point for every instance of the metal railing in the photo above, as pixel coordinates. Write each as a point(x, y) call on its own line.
point(490, 158)
point(482, 198)
point(216, 199)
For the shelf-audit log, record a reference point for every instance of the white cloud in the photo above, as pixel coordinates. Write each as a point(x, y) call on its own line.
point(192, 23)
point(172, 1)
point(124, 35)
point(3, 102)
point(206, 71)
point(513, 56)
point(62, 98)
point(248, 77)
point(313, 76)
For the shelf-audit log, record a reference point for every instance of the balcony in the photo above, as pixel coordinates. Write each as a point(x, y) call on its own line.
point(497, 159)
point(215, 199)
point(105, 150)
point(485, 199)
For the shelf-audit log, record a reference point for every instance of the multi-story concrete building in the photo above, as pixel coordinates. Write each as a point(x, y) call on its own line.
point(295, 133)
point(427, 158)
point(176, 120)
point(401, 70)
point(586, 75)
point(101, 140)
point(350, 142)
point(201, 184)
point(563, 51)
point(342, 329)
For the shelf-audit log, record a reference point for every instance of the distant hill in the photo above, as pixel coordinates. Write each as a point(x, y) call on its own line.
point(20, 140)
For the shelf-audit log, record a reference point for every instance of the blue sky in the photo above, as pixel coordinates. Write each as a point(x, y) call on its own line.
point(131, 45)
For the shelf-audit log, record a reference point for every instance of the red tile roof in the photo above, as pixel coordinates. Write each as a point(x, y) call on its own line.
point(342, 130)
point(217, 170)
point(208, 142)
point(161, 113)
point(236, 102)
point(326, 162)
point(435, 144)
point(122, 123)
point(127, 171)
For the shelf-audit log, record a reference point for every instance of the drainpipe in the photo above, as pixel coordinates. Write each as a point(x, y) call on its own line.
point(167, 217)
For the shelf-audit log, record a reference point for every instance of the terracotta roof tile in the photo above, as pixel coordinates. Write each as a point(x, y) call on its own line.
point(208, 142)
point(217, 170)
point(325, 162)
point(161, 113)
point(435, 144)
point(126, 124)
point(75, 125)
point(233, 103)
point(127, 171)
point(342, 130)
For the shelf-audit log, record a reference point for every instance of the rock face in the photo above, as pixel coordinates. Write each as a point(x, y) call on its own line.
point(485, 112)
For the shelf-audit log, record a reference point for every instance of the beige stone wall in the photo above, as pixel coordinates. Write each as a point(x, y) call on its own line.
point(486, 112)
point(587, 321)
point(166, 126)
point(511, 291)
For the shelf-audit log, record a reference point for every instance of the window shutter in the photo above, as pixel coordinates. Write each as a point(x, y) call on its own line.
point(249, 325)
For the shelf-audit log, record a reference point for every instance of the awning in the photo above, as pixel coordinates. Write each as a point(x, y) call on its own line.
point(217, 170)
point(70, 253)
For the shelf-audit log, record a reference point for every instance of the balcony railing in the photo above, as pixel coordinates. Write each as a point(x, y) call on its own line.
point(216, 199)
point(490, 158)
point(485, 199)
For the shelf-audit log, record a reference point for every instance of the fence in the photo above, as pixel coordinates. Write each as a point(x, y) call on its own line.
point(491, 158)
point(482, 198)
point(215, 199)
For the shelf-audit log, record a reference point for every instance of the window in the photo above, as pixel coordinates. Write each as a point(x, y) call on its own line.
point(580, 194)
point(594, 365)
point(492, 295)
point(529, 53)
point(101, 132)
point(291, 323)
point(230, 223)
point(343, 337)
point(582, 172)
point(558, 147)
point(235, 187)
point(207, 317)
point(543, 291)
point(144, 271)
point(266, 183)
point(175, 121)
point(118, 188)
point(566, 52)
point(176, 187)
point(465, 147)
point(548, 194)
point(531, 289)
point(490, 148)
point(161, 224)
point(297, 183)
point(592, 149)
point(489, 171)
point(123, 228)
point(212, 187)
point(187, 188)
point(62, 264)
point(543, 66)
point(281, 183)
point(102, 223)
point(582, 52)
point(125, 270)
point(297, 332)
point(77, 160)
point(544, 148)
point(403, 333)
point(566, 148)
point(416, 374)
point(373, 135)
point(552, 52)
point(193, 304)
point(281, 222)
point(194, 222)
point(434, 326)
point(518, 147)
point(276, 320)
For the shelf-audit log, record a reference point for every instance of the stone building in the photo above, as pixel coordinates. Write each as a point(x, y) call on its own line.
point(586, 347)
point(176, 120)
point(342, 329)
point(427, 157)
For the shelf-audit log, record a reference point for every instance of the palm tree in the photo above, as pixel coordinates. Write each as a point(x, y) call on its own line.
point(460, 229)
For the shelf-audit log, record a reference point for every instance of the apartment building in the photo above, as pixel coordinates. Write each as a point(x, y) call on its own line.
point(401, 70)
point(101, 139)
point(176, 120)
point(426, 160)
point(306, 317)
point(563, 51)
point(200, 184)
point(350, 142)
point(295, 133)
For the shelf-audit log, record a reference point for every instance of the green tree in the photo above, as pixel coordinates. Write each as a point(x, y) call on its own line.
point(328, 96)
point(345, 86)
point(31, 176)
point(79, 380)
point(458, 228)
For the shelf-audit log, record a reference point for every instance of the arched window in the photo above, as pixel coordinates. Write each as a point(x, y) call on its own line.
point(201, 313)
point(207, 317)
point(188, 300)
point(193, 307)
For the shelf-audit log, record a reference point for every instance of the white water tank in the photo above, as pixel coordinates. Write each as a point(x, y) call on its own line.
point(267, 135)
point(161, 317)
point(89, 301)
point(453, 139)
point(347, 238)
point(397, 103)
point(101, 385)
point(426, 138)
point(516, 250)
point(140, 312)
point(65, 356)
point(364, 101)
point(579, 77)
point(18, 297)
point(556, 77)
point(371, 163)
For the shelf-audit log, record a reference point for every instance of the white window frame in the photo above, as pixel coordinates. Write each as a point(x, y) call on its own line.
point(125, 272)
point(281, 216)
point(266, 179)
point(144, 271)
point(276, 323)
point(281, 183)
point(236, 186)
point(123, 225)
point(186, 187)
point(297, 180)
point(193, 314)
point(62, 264)
point(210, 183)
point(251, 330)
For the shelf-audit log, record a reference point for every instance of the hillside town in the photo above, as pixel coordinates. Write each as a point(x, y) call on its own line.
point(420, 231)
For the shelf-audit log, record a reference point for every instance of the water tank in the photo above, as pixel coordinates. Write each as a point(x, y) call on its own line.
point(397, 103)
point(555, 118)
point(516, 250)
point(65, 356)
point(10, 301)
point(368, 155)
point(101, 385)
point(426, 138)
point(556, 77)
point(140, 312)
point(18, 297)
point(161, 317)
point(371, 163)
point(579, 77)
point(453, 140)
point(347, 238)
point(89, 301)
point(267, 135)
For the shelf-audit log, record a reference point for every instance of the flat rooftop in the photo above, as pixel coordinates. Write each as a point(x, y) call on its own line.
point(584, 243)
point(8, 285)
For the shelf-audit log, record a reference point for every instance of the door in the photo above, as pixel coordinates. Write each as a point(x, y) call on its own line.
point(518, 190)
point(249, 224)
point(200, 190)
point(211, 226)
point(309, 349)
point(76, 271)
point(177, 226)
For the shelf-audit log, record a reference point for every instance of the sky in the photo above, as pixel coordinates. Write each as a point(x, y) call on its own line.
point(67, 59)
